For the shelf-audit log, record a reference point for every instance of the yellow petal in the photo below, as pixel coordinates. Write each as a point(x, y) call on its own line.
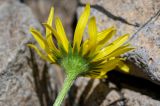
point(84, 47)
point(89, 44)
point(105, 35)
point(103, 38)
point(123, 67)
point(81, 27)
point(104, 68)
point(92, 29)
point(97, 76)
point(37, 35)
point(57, 36)
point(110, 64)
point(48, 31)
point(111, 47)
point(119, 51)
point(50, 20)
point(118, 42)
point(61, 33)
point(102, 76)
point(40, 53)
point(51, 58)
point(52, 46)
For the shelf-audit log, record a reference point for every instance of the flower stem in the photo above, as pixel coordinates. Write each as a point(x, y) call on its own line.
point(66, 86)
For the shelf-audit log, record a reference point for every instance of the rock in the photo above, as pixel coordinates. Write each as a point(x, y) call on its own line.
point(88, 92)
point(134, 90)
point(25, 79)
point(117, 90)
point(14, 30)
point(137, 99)
point(141, 19)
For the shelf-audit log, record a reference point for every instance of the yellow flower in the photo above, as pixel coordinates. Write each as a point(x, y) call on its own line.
point(92, 58)
point(99, 55)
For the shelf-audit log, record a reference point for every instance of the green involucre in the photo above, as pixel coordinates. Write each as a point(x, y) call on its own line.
point(74, 64)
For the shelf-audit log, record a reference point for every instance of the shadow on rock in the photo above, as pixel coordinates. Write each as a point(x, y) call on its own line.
point(42, 84)
point(140, 85)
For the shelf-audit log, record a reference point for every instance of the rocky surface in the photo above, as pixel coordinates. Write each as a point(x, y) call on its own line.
point(137, 99)
point(117, 90)
point(24, 78)
point(141, 19)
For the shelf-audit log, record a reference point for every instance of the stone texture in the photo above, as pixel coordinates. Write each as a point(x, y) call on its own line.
point(141, 19)
point(117, 90)
point(136, 99)
point(25, 79)
point(89, 92)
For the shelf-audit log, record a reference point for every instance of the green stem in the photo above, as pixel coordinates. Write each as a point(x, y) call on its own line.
point(66, 86)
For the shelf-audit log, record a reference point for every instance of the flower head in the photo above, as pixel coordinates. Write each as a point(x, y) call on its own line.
point(93, 57)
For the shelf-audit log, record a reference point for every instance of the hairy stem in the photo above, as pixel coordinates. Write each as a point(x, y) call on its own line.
point(66, 86)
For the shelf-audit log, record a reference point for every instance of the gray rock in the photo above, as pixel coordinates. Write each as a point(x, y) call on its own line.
point(114, 92)
point(141, 19)
point(89, 92)
point(25, 79)
point(136, 99)
point(15, 22)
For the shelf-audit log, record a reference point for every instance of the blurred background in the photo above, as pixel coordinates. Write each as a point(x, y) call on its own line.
point(27, 80)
